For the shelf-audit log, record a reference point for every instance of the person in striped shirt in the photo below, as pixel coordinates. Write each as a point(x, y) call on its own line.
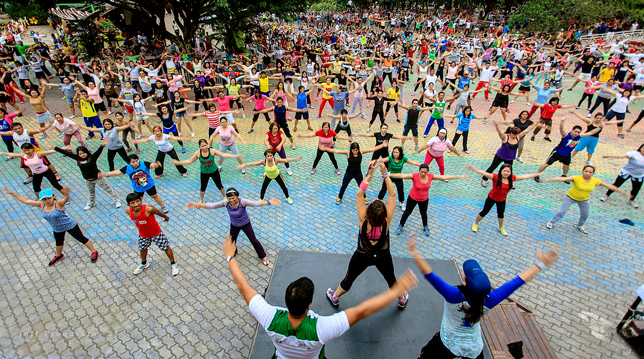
point(213, 117)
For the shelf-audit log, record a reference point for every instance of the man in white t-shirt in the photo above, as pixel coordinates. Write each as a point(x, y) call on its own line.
point(487, 72)
point(280, 323)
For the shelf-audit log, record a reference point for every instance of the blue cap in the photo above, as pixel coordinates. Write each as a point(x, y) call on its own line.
point(475, 279)
point(46, 193)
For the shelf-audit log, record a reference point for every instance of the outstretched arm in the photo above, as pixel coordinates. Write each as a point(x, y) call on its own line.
point(22, 198)
point(238, 276)
point(481, 172)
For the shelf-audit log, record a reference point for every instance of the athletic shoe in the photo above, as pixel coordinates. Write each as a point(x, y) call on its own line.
point(185, 175)
point(251, 130)
point(537, 179)
point(28, 180)
point(589, 162)
point(140, 268)
point(318, 116)
point(289, 200)
point(57, 177)
point(136, 151)
point(413, 94)
point(566, 182)
point(519, 159)
point(484, 121)
point(183, 150)
point(87, 207)
point(129, 149)
point(294, 129)
point(8, 158)
point(475, 227)
point(333, 145)
point(399, 230)
point(337, 171)
point(620, 135)
point(310, 128)
point(60, 135)
point(549, 225)
point(547, 139)
point(87, 138)
point(402, 205)
point(293, 146)
point(446, 181)
point(265, 261)
point(365, 199)
point(403, 302)
point(369, 130)
point(192, 134)
point(338, 200)
point(56, 259)
point(426, 230)
point(138, 137)
point(94, 256)
point(330, 294)
point(512, 101)
point(164, 209)
point(219, 168)
point(288, 170)
point(502, 230)
point(604, 198)
point(527, 103)
point(243, 115)
point(468, 152)
point(243, 170)
point(44, 135)
point(72, 116)
point(175, 269)
point(312, 170)
point(577, 107)
point(417, 148)
point(483, 183)
point(157, 176)
point(588, 115)
point(118, 204)
point(581, 229)
point(532, 138)
point(632, 203)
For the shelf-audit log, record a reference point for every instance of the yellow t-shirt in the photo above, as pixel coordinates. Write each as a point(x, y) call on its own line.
point(87, 108)
point(329, 88)
point(606, 74)
point(337, 67)
point(580, 190)
point(263, 84)
point(393, 94)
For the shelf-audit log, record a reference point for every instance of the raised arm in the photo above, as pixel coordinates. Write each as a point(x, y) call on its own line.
point(481, 172)
point(244, 288)
point(22, 198)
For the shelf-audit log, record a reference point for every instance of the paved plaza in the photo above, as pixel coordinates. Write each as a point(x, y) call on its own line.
point(80, 309)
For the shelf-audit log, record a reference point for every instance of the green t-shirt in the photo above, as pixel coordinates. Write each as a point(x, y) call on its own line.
point(396, 167)
point(438, 113)
point(22, 49)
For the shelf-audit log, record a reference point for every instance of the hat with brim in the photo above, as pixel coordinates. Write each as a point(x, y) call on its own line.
point(46, 193)
point(475, 279)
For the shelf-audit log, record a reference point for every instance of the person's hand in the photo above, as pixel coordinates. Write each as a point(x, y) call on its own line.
point(65, 191)
point(275, 201)
point(8, 191)
point(239, 156)
point(159, 164)
point(173, 161)
point(405, 283)
point(548, 258)
point(411, 244)
point(191, 205)
point(279, 147)
point(48, 145)
point(383, 168)
point(299, 158)
point(229, 246)
point(469, 167)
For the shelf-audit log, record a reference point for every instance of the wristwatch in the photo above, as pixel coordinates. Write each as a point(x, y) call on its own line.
point(228, 259)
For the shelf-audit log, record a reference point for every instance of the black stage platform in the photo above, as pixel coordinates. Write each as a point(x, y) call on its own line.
point(390, 333)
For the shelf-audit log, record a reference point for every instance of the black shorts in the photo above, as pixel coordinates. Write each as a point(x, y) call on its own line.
point(100, 107)
point(300, 115)
point(394, 105)
point(524, 88)
point(41, 75)
point(151, 191)
point(555, 157)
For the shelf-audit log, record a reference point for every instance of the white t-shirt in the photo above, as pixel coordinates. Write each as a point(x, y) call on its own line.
point(430, 79)
point(290, 347)
point(486, 74)
point(164, 143)
point(621, 103)
point(635, 165)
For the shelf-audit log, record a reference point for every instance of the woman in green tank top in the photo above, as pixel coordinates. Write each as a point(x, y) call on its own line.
point(395, 163)
point(208, 166)
point(272, 172)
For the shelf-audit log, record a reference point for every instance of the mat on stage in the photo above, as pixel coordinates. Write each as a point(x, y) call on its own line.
point(390, 333)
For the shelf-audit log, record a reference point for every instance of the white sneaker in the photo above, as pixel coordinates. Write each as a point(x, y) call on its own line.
point(588, 115)
point(288, 170)
point(140, 268)
point(512, 101)
point(368, 130)
point(483, 183)
point(632, 203)
point(118, 204)
point(138, 137)
point(87, 207)
point(581, 229)
point(175, 269)
point(604, 198)
point(8, 158)
point(527, 103)
point(164, 209)
point(589, 162)
point(243, 170)
point(192, 134)
point(402, 205)
point(519, 159)
point(549, 225)
point(109, 112)
point(72, 116)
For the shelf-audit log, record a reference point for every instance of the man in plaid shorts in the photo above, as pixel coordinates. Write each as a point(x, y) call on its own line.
point(149, 230)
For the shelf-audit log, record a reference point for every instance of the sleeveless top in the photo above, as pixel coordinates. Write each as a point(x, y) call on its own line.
point(353, 164)
point(58, 220)
point(274, 140)
point(592, 127)
point(280, 115)
point(36, 164)
point(507, 151)
point(147, 225)
point(365, 239)
point(271, 171)
point(207, 164)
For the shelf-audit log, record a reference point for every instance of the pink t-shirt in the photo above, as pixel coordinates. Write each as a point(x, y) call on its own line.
point(326, 140)
point(68, 126)
point(589, 84)
point(224, 103)
point(93, 94)
point(259, 103)
point(438, 147)
point(420, 191)
point(226, 136)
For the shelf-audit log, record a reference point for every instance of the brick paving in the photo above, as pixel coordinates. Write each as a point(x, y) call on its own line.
point(80, 309)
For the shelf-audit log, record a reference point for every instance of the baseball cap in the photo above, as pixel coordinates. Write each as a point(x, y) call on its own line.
point(46, 193)
point(476, 280)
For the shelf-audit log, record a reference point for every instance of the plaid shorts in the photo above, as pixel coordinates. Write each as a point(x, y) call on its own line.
point(160, 240)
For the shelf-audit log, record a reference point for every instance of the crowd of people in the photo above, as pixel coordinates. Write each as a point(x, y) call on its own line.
point(332, 67)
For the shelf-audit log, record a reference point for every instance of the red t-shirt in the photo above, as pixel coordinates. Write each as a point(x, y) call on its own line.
point(420, 191)
point(325, 140)
point(213, 118)
point(500, 194)
point(147, 225)
point(548, 111)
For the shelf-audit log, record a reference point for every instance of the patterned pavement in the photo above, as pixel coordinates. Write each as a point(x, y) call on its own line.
point(80, 309)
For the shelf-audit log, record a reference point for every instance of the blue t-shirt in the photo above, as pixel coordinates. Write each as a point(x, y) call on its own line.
point(141, 178)
point(4, 126)
point(301, 101)
point(543, 95)
point(462, 82)
point(567, 145)
point(464, 122)
point(338, 100)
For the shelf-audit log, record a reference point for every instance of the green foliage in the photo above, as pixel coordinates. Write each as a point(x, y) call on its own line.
point(328, 5)
point(19, 9)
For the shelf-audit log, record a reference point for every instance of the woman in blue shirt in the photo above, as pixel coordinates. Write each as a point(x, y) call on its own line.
point(463, 128)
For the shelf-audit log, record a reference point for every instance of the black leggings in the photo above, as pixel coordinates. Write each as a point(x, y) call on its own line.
point(215, 178)
point(619, 181)
point(318, 156)
point(411, 204)
point(361, 261)
point(435, 349)
point(74, 232)
point(639, 118)
point(131, 133)
point(112, 153)
point(495, 163)
point(384, 77)
point(400, 188)
point(421, 84)
point(602, 101)
point(256, 116)
point(588, 96)
point(161, 157)
point(489, 203)
point(458, 135)
point(51, 177)
point(377, 113)
point(237, 101)
point(347, 179)
point(9, 143)
point(279, 181)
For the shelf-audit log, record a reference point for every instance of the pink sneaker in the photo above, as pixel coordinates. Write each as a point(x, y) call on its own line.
point(330, 294)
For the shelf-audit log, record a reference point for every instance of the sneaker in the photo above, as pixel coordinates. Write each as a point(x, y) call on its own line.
point(426, 231)
point(532, 138)
point(620, 135)
point(365, 199)
point(57, 177)
point(72, 116)
point(527, 103)
point(632, 203)
point(330, 294)
point(416, 148)
point(8, 158)
point(243, 115)
point(337, 171)
point(484, 121)
point(475, 227)
point(576, 107)
point(219, 168)
point(312, 170)
point(589, 115)
point(512, 101)
point(403, 302)
point(446, 181)
point(338, 200)
point(589, 162)
point(157, 176)
point(164, 209)
point(94, 256)
point(109, 112)
point(140, 268)
point(87, 207)
point(251, 130)
point(294, 129)
point(293, 146)
point(138, 137)
point(566, 182)
point(549, 225)
point(547, 139)
point(519, 159)
point(399, 230)
point(192, 134)
point(581, 229)
point(129, 149)
point(175, 269)
point(483, 183)
point(56, 259)
point(60, 135)
point(28, 180)
point(44, 135)
point(87, 138)
point(502, 230)
point(136, 151)
point(243, 170)
point(537, 179)
point(118, 204)
point(402, 205)
point(265, 261)
point(288, 170)
point(185, 175)
point(368, 130)
point(289, 200)
point(183, 150)
point(604, 198)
